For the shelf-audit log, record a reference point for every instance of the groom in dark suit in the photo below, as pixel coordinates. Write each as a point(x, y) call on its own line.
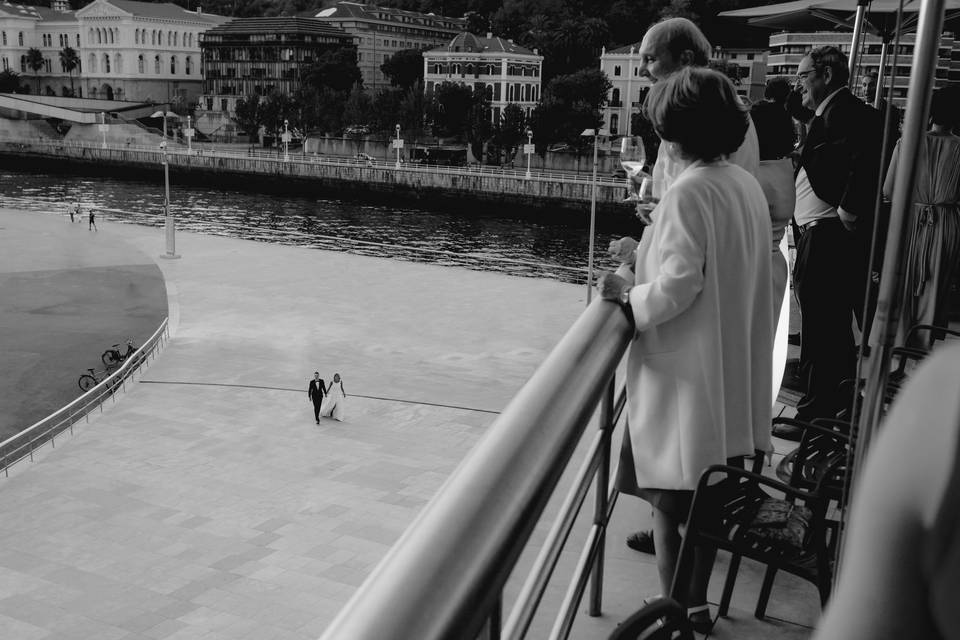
point(836, 182)
point(315, 393)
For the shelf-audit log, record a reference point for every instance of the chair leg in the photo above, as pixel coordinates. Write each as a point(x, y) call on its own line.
point(765, 590)
point(728, 585)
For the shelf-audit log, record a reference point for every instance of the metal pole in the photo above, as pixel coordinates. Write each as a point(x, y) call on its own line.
point(103, 128)
point(397, 145)
point(286, 142)
point(593, 218)
point(189, 137)
point(857, 32)
point(878, 95)
point(891, 281)
point(529, 142)
point(169, 226)
point(600, 505)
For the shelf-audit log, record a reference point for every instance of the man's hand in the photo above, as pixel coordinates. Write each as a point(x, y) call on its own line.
point(623, 250)
point(610, 285)
point(848, 219)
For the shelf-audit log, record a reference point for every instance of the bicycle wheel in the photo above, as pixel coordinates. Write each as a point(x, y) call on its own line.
point(110, 358)
point(87, 382)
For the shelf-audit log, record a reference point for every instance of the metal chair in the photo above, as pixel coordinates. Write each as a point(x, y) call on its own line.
point(661, 619)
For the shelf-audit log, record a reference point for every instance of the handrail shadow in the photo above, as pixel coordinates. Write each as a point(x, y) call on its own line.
point(22, 445)
point(444, 578)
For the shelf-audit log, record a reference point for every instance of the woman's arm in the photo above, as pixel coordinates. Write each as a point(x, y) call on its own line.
point(680, 242)
point(891, 173)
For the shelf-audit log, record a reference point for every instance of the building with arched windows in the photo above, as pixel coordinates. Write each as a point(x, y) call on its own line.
point(25, 27)
point(142, 51)
point(508, 72)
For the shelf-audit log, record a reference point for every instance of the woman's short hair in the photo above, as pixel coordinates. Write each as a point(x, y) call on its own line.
point(945, 105)
point(698, 109)
point(777, 89)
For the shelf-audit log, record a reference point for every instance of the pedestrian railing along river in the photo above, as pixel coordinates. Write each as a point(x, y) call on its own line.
point(309, 158)
point(445, 577)
point(22, 445)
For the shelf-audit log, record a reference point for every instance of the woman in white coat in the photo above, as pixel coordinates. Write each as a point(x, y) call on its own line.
point(698, 372)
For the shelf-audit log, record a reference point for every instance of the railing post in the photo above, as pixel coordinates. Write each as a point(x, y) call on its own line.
point(600, 503)
point(491, 630)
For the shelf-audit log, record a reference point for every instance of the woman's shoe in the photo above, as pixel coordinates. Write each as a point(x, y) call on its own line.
point(700, 619)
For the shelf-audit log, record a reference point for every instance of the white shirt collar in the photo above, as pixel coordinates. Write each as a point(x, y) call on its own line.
point(826, 101)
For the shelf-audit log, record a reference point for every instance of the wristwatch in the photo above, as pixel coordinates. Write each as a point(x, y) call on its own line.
point(625, 297)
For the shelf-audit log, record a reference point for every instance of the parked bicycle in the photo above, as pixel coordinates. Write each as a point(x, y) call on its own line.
point(112, 356)
point(89, 380)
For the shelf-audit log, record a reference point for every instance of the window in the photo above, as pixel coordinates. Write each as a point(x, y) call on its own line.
point(188, 65)
point(223, 104)
point(615, 98)
point(93, 63)
point(106, 63)
point(496, 91)
point(118, 63)
point(140, 63)
point(47, 65)
point(6, 63)
point(23, 64)
point(173, 64)
point(20, 38)
point(616, 70)
point(4, 38)
point(136, 37)
point(78, 44)
point(156, 64)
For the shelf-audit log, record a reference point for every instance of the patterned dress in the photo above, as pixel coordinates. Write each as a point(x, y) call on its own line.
point(934, 229)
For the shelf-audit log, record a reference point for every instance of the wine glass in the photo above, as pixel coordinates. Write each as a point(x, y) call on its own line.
point(633, 159)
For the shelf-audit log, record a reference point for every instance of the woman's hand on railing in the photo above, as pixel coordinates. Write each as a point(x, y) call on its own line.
point(610, 286)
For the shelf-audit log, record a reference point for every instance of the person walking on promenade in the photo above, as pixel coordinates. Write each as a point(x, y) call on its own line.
point(667, 47)
point(92, 221)
point(702, 312)
point(333, 406)
point(315, 393)
point(836, 185)
point(934, 226)
point(77, 212)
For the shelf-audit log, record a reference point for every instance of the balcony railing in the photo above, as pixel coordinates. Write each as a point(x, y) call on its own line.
point(23, 444)
point(445, 577)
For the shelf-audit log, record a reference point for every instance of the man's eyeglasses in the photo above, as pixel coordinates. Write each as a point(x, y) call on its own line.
point(802, 75)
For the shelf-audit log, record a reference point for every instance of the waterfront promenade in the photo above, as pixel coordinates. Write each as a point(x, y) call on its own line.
point(206, 504)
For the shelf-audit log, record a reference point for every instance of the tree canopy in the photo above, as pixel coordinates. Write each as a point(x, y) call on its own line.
point(404, 68)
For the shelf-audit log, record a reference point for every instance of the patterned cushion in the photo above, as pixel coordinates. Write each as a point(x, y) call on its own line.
point(780, 522)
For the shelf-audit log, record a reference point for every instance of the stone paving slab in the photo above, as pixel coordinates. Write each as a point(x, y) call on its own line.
point(206, 504)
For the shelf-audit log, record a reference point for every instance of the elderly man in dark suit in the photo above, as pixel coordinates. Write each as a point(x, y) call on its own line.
point(836, 183)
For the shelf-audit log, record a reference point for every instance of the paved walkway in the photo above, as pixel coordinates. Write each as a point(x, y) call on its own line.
point(206, 504)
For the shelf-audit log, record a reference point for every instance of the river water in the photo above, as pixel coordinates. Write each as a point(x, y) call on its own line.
point(489, 242)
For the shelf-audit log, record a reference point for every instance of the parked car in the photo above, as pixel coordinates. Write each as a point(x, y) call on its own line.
point(365, 157)
point(357, 130)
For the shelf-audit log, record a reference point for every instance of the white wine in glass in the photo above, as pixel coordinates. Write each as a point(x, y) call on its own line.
point(633, 158)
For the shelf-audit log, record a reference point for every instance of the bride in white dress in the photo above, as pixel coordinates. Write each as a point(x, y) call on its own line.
point(333, 404)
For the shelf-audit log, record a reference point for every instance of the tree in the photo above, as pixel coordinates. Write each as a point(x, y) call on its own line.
point(334, 69)
point(247, 115)
point(35, 62)
point(404, 68)
point(70, 61)
point(511, 131)
point(570, 104)
point(479, 128)
point(274, 109)
point(449, 110)
point(385, 109)
point(9, 81)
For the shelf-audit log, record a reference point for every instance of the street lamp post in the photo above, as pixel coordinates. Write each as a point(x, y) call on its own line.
point(168, 223)
point(286, 141)
point(596, 133)
point(103, 128)
point(188, 133)
point(398, 144)
point(528, 149)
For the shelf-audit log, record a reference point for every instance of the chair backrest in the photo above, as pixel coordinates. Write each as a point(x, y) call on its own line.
point(658, 620)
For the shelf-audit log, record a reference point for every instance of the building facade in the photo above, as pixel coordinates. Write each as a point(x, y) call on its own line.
point(788, 49)
point(379, 32)
point(509, 73)
point(254, 56)
point(142, 51)
point(49, 30)
point(622, 67)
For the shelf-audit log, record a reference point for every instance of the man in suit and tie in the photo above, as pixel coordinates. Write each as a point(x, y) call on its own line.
point(836, 186)
point(315, 393)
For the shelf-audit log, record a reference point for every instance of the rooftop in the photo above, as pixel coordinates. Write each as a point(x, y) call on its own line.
point(163, 10)
point(469, 43)
point(278, 25)
point(368, 11)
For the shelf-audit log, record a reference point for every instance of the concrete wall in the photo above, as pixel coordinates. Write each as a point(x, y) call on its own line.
point(474, 190)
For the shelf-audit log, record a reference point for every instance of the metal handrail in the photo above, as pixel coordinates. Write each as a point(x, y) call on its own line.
point(23, 444)
point(306, 158)
point(444, 578)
